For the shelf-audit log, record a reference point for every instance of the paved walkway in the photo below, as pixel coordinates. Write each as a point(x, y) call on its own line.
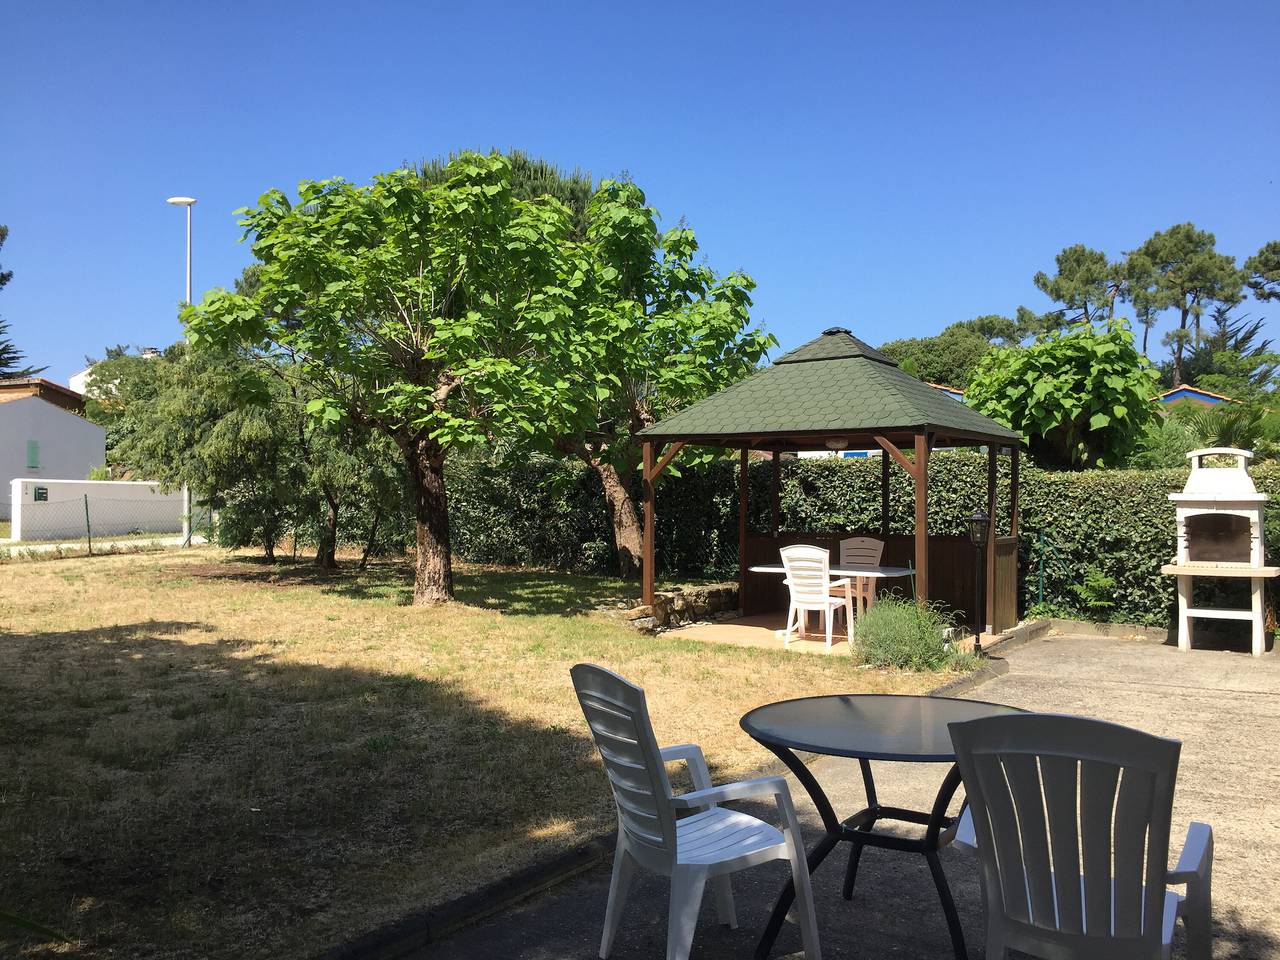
point(1225, 707)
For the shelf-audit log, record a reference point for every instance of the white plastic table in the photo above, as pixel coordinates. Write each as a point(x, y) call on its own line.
point(871, 573)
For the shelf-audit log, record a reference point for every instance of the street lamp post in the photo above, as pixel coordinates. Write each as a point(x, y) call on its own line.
point(979, 530)
point(187, 202)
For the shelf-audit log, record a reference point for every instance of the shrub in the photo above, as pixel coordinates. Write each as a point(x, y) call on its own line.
point(1094, 591)
point(901, 633)
point(544, 513)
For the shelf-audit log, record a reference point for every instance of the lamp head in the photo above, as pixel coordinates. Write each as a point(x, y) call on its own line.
point(979, 525)
point(182, 201)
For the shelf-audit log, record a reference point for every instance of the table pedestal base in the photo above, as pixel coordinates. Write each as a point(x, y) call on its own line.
point(859, 831)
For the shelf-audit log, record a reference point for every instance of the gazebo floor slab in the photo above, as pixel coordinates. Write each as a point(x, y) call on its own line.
point(765, 630)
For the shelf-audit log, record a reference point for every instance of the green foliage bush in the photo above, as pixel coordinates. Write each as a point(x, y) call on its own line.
point(1120, 522)
point(1081, 397)
point(900, 633)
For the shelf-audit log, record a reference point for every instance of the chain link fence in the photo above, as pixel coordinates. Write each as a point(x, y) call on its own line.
point(100, 524)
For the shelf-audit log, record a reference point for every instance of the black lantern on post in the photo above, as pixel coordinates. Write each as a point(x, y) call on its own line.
point(979, 529)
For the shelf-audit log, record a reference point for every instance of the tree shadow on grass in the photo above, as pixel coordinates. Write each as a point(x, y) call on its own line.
point(540, 592)
point(511, 591)
point(170, 791)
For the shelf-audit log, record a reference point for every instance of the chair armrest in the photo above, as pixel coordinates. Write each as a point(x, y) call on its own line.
point(1196, 860)
point(842, 582)
point(742, 790)
point(692, 755)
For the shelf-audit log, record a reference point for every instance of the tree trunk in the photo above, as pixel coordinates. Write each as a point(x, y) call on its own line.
point(433, 577)
point(373, 533)
point(1177, 348)
point(327, 548)
point(624, 517)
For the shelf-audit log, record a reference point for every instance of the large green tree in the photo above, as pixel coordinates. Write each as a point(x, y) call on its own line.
point(1181, 269)
point(658, 330)
point(1081, 397)
point(530, 178)
point(11, 357)
point(1232, 358)
point(951, 356)
point(212, 420)
point(422, 311)
point(1086, 283)
point(1262, 272)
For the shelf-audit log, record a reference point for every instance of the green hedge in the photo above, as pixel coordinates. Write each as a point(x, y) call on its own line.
point(546, 513)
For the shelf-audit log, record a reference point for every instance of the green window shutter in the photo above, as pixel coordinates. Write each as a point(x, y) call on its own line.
point(33, 454)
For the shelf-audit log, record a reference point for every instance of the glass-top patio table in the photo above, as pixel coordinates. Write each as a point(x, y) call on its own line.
point(869, 727)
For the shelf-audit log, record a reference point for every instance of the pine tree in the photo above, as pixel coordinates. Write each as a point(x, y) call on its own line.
point(10, 356)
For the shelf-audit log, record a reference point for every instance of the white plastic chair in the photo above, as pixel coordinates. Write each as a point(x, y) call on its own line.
point(860, 552)
point(706, 846)
point(809, 579)
point(1070, 820)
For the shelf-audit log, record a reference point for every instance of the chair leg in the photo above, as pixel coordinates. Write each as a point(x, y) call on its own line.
point(848, 621)
point(1199, 920)
point(995, 943)
point(687, 884)
point(624, 869)
point(722, 888)
point(804, 912)
point(830, 616)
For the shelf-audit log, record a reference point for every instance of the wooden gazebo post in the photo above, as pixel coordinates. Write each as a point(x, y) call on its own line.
point(651, 471)
point(993, 530)
point(743, 494)
point(646, 560)
point(884, 495)
point(922, 518)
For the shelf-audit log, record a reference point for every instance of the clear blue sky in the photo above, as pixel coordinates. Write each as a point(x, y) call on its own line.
point(889, 167)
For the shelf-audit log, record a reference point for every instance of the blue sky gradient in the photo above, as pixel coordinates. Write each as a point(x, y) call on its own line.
point(892, 168)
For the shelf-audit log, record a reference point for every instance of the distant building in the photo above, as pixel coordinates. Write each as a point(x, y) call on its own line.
point(1203, 397)
point(44, 434)
point(79, 381)
point(955, 393)
point(1194, 394)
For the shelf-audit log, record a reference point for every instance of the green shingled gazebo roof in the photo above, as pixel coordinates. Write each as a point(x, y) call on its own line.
point(834, 386)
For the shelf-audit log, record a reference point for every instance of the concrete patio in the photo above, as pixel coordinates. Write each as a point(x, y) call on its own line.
point(1224, 706)
point(765, 630)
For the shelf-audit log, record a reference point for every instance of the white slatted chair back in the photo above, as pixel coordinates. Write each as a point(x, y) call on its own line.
point(1072, 822)
point(618, 716)
point(808, 574)
point(861, 552)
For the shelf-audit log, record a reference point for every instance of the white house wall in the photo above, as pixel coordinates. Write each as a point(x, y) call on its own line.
point(70, 446)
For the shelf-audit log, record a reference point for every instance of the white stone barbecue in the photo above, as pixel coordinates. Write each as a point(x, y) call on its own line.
point(1220, 535)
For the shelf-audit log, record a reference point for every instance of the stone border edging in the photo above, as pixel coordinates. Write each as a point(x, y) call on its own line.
point(994, 667)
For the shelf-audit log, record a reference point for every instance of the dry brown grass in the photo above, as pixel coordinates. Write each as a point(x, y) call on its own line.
point(205, 756)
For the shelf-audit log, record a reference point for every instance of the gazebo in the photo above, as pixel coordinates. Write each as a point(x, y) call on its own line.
point(837, 393)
